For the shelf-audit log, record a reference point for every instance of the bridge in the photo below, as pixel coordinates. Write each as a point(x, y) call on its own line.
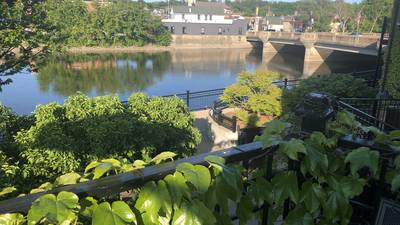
point(314, 45)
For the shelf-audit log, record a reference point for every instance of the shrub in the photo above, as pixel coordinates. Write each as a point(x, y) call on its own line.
point(339, 85)
point(67, 136)
point(255, 92)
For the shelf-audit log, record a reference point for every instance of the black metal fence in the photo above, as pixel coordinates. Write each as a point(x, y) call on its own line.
point(383, 113)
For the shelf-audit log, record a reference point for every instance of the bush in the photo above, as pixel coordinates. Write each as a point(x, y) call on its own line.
point(66, 137)
point(255, 92)
point(339, 85)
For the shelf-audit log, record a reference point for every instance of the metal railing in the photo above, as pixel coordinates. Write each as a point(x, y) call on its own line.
point(382, 113)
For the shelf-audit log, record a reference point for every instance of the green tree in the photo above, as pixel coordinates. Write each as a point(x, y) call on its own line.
point(25, 36)
point(255, 92)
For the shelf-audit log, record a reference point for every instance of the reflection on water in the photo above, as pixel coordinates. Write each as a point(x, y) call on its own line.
point(160, 73)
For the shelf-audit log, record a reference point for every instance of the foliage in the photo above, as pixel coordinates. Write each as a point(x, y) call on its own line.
point(318, 188)
point(364, 16)
point(335, 84)
point(255, 92)
point(120, 23)
point(64, 137)
point(393, 83)
point(25, 38)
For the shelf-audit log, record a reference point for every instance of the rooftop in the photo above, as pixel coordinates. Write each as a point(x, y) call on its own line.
point(214, 8)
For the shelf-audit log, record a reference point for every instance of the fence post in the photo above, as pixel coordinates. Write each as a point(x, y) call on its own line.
point(268, 176)
point(286, 83)
point(187, 98)
point(234, 124)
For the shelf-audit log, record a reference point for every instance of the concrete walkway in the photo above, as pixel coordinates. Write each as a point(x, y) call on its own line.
point(214, 137)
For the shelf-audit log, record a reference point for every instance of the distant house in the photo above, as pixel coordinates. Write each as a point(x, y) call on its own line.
point(293, 24)
point(273, 23)
point(204, 18)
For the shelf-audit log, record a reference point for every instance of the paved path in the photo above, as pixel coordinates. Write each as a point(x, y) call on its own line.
point(214, 137)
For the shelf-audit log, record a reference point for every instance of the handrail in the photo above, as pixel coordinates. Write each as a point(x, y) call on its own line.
point(115, 184)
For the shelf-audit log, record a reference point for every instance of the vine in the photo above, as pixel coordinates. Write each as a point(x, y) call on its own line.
point(312, 183)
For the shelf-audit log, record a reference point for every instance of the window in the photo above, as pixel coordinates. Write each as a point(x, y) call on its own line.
point(198, 16)
point(172, 29)
point(240, 30)
point(203, 30)
point(219, 30)
point(183, 16)
point(210, 17)
point(183, 30)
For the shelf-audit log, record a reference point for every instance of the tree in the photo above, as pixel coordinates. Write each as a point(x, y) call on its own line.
point(372, 13)
point(255, 92)
point(25, 36)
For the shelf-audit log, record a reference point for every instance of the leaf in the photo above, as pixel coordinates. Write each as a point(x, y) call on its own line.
point(270, 140)
point(396, 183)
point(148, 203)
point(292, 148)
point(117, 214)
point(66, 179)
point(193, 213)
point(230, 174)
point(244, 209)
point(352, 187)
point(315, 161)
point(88, 206)
point(395, 134)
point(139, 164)
point(336, 206)
point(12, 219)
point(197, 175)
point(177, 187)
point(7, 190)
point(312, 195)
point(285, 186)
point(299, 216)
point(43, 187)
point(91, 166)
point(163, 156)
point(59, 210)
point(260, 190)
point(397, 162)
point(363, 157)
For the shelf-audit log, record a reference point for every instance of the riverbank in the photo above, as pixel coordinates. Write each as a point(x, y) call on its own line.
point(179, 42)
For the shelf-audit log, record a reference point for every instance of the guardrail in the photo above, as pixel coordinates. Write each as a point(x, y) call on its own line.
point(382, 113)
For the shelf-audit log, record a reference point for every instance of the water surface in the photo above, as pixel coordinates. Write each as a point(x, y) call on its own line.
point(160, 73)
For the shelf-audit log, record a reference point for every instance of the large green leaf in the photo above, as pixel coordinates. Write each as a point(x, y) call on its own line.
point(351, 186)
point(312, 195)
point(229, 173)
point(260, 190)
point(292, 148)
point(396, 182)
point(177, 187)
point(397, 162)
point(59, 210)
point(285, 186)
point(363, 157)
point(336, 207)
point(7, 190)
point(88, 206)
point(149, 203)
point(12, 219)
point(66, 179)
point(198, 175)
point(98, 169)
point(315, 162)
point(163, 156)
point(299, 216)
point(165, 198)
point(117, 214)
point(244, 210)
point(193, 213)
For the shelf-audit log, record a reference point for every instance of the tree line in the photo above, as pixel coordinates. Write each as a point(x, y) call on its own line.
point(365, 16)
point(31, 29)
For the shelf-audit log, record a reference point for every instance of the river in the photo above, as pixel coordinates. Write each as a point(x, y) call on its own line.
point(157, 73)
